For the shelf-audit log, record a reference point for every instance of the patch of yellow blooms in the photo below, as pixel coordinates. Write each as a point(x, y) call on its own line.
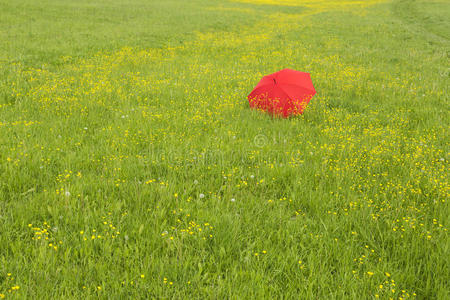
point(317, 4)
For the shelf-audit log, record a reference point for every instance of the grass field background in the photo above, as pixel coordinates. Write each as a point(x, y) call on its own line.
point(132, 166)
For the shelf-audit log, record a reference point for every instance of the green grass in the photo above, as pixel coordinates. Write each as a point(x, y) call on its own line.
point(126, 139)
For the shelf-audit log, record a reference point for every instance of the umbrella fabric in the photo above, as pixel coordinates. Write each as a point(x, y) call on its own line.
point(284, 93)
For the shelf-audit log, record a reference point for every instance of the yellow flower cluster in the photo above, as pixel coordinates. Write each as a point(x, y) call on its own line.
point(43, 234)
point(108, 230)
point(12, 289)
point(185, 227)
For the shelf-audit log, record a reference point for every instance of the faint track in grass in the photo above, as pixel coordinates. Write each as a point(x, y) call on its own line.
point(417, 22)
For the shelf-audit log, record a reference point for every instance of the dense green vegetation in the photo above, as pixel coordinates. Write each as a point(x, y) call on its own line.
point(132, 166)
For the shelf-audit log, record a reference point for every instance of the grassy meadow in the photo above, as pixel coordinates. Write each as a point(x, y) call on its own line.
point(131, 165)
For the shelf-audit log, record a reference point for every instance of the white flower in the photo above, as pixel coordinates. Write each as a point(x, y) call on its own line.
point(252, 176)
point(201, 196)
point(67, 193)
point(233, 200)
point(85, 128)
point(195, 181)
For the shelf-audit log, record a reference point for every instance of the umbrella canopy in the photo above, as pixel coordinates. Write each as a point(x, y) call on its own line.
point(285, 93)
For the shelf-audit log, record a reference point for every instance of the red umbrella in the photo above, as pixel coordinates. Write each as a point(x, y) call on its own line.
point(285, 93)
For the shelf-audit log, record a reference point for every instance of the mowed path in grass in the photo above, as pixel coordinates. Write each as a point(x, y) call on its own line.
point(131, 165)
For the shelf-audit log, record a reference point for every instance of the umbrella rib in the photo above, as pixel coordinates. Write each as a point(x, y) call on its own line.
point(255, 91)
point(287, 95)
point(298, 86)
